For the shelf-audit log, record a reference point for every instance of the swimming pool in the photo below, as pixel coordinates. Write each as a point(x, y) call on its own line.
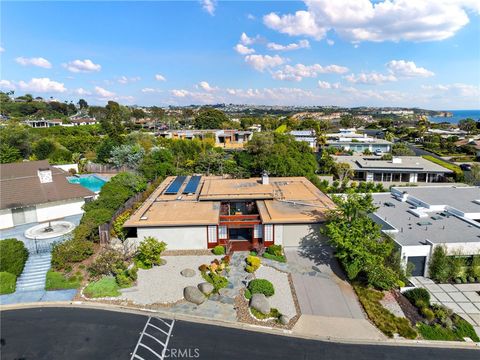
point(92, 182)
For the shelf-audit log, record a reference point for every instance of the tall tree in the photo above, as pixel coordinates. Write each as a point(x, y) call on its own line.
point(82, 104)
point(210, 118)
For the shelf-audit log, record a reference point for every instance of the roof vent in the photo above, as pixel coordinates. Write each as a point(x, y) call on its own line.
point(396, 160)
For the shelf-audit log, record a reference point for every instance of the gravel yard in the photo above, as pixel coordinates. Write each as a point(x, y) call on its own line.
point(282, 300)
point(164, 284)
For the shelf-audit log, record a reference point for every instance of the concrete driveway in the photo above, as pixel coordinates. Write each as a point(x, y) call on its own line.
point(320, 286)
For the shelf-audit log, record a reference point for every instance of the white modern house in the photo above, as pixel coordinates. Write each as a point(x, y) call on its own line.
point(34, 191)
point(307, 136)
point(350, 140)
point(420, 218)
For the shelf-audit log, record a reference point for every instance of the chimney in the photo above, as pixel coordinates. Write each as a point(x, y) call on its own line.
point(45, 175)
point(265, 178)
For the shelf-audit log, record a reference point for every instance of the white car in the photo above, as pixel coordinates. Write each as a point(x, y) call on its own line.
point(378, 152)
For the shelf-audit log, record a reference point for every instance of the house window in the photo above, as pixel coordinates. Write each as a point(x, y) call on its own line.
point(212, 234)
point(222, 232)
point(268, 235)
point(258, 232)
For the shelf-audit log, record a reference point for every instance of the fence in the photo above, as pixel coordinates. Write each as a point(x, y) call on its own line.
point(103, 168)
point(40, 246)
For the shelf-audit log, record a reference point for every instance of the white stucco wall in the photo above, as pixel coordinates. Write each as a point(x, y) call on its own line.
point(59, 209)
point(66, 167)
point(177, 238)
point(294, 233)
point(278, 232)
point(6, 220)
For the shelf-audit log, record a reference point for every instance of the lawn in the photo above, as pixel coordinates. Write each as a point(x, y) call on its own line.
point(456, 169)
point(7, 283)
point(58, 281)
point(105, 287)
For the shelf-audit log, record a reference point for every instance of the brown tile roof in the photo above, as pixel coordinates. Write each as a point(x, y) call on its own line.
point(20, 185)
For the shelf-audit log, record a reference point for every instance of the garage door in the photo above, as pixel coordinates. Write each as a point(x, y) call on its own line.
point(419, 263)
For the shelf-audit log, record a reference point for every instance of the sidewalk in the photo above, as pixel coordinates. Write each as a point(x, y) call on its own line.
point(21, 297)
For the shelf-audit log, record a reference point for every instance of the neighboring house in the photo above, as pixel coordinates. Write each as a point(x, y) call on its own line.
point(223, 138)
point(349, 140)
point(407, 169)
point(83, 121)
point(42, 123)
point(242, 214)
point(421, 218)
point(34, 191)
point(474, 143)
point(307, 136)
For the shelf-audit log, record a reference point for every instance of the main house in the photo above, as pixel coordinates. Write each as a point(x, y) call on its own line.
point(34, 191)
point(242, 214)
point(421, 218)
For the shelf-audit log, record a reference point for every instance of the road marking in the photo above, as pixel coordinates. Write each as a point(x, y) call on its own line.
point(145, 334)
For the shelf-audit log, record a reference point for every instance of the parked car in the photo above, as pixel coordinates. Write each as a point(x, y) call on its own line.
point(466, 167)
point(378, 152)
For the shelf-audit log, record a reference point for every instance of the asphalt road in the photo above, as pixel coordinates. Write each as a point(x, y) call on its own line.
point(73, 333)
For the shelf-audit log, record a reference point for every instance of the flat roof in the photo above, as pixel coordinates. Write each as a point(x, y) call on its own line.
point(283, 200)
point(413, 230)
point(407, 163)
point(465, 199)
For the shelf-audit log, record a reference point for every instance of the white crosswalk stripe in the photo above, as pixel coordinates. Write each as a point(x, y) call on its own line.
point(153, 340)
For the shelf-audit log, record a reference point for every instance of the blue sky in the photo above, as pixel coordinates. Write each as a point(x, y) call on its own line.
point(346, 53)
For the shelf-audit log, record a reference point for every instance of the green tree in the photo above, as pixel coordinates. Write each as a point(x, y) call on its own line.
point(82, 104)
point(468, 125)
point(210, 118)
point(343, 171)
point(149, 252)
point(349, 121)
point(127, 155)
point(439, 267)
point(9, 154)
point(157, 164)
point(43, 148)
point(401, 149)
point(112, 122)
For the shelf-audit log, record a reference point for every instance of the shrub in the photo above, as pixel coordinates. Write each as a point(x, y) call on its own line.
point(126, 278)
point(8, 282)
point(471, 279)
point(464, 329)
point(474, 269)
point(261, 286)
point(218, 281)
point(274, 313)
point(439, 265)
point(428, 313)
point(280, 258)
point(58, 281)
point(108, 262)
point(71, 251)
point(275, 250)
point(105, 287)
point(118, 229)
point(149, 251)
point(247, 294)
point(436, 332)
point(219, 250)
point(382, 277)
point(253, 263)
point(458, 267)
point(13, 256)
point(418, 296)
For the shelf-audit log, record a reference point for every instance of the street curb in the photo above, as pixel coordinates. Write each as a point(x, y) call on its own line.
point(241, 326)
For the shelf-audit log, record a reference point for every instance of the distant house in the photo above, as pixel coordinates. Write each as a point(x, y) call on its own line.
point(230, 139)
point(474, 143)
point(406, 169)
point(42, 123)
point(34, 191)
point(419, 219)
point(83, 121)
point(307, 136)
point(350, 140)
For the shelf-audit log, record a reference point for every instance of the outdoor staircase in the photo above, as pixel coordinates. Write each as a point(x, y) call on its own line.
point(34, 272)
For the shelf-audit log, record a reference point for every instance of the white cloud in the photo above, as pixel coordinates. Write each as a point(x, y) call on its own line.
point(190, 96)
point(327, 85)
point(370, 78)
point(104, 93)
point(82, 92)
point(7, 84)
point(246, 40)
point(456, 90)
point(368, 20)
point(209, 6)
point(149, 90)
point(77, 66)
point(302, 44)
point(300, 71)
point(34, 61)
point(251, 17)
point(402, 68)
point(262, 62)
point(180, 93)
point(330, 42)
point(2, 49)
point(125, 80)
point(243, 50)
point(205, 86)
point(42, 85)
point(159, 77)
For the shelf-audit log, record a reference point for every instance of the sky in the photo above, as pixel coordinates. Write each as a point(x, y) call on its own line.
point(410, 53)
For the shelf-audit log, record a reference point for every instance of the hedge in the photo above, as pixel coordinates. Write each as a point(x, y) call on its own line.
point(7, 283)
point(13, 256)
point(455, 168)
point(261, 286)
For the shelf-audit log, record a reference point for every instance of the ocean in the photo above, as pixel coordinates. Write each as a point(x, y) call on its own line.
point(457, 116)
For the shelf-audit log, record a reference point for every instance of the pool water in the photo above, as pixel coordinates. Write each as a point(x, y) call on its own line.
point(91, 182)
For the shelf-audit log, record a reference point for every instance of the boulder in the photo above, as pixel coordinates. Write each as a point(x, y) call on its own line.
point(260, 303)
point(205, 288)
point(188, 272)
point(284, 320)
point(193, 295)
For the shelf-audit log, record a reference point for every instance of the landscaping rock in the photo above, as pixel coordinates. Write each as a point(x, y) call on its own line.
point(260, 303)
point(193, 295)
point(284, 320)
point(188, 272)
point(205, 288)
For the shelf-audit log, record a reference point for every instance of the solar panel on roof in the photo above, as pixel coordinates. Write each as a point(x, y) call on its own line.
point(174, 187)
point(192, 185)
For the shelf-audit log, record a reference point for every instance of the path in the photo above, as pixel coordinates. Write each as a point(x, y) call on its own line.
point(34, 273)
